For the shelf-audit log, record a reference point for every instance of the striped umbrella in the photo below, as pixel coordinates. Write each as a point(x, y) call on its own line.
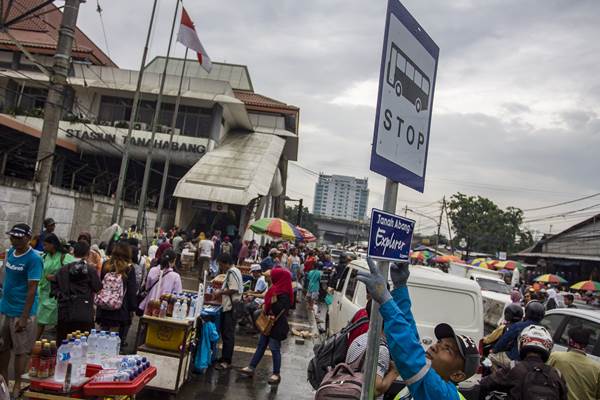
point(508, 265)
point(276, 228)
point(550, 278)
point(592, 286)
point(307, 236)
point(446, 259)
point(478, 261)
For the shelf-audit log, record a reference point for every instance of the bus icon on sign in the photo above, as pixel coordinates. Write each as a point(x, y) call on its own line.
point(407, 79)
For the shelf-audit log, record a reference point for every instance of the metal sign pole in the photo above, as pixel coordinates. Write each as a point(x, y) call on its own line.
point(370, 367)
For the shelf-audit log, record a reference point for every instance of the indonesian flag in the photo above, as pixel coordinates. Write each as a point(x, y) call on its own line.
point(189, 38)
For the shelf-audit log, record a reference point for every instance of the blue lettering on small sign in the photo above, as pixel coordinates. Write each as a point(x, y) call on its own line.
point(390, 236)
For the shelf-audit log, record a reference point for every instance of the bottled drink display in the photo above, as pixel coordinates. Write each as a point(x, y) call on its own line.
point(34, 361)
point(122, 369)
point(63, 357)
point(44, 368)
point(76, 359)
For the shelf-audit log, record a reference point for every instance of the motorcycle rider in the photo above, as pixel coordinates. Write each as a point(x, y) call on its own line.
point(530, 378)
point(429, 375)
point(513, 313)
point(506, 348)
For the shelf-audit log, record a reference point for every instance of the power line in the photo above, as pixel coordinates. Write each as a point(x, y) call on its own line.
point(562, 203)
point(562, 214)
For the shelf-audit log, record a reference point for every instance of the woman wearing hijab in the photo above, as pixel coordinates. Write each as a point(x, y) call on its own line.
point(161, 249)
point(278, 301)
point(55, 256)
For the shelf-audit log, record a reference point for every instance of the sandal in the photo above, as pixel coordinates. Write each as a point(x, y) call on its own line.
point(246, 371)
point(274, 380)
point(222, 366)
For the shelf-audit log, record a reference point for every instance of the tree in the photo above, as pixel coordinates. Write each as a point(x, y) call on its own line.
point(308, 221)
point(485, 227)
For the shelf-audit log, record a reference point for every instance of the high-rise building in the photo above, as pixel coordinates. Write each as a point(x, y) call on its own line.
point(343, 197)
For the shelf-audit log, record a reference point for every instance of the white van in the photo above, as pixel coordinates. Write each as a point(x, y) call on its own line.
point(436, 297)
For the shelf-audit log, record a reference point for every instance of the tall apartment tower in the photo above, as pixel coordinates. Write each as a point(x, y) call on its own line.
point(343, 197)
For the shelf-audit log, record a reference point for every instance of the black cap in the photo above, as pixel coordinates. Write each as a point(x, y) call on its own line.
point(49, 221)
point(466, 346)
point(20, 230)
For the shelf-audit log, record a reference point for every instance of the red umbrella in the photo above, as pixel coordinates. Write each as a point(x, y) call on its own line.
point(307, 236)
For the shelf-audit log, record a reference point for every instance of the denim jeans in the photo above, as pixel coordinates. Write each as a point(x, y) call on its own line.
point(275, 346)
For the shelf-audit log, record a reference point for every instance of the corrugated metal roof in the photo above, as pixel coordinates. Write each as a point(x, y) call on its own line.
point(238, 171)
point(237, 75)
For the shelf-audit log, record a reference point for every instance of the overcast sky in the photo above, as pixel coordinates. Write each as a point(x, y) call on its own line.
point(516, 108)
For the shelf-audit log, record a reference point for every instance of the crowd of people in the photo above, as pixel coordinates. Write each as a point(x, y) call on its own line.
point(80, 285)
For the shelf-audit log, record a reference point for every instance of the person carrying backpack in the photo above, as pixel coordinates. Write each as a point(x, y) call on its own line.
point(74, 287)
point(117, 300)
point(530, 378)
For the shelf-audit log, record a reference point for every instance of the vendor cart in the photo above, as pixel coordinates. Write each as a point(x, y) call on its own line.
point(166, 342)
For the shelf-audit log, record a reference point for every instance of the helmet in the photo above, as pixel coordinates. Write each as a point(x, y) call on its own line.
point(535, 338)
point(535, 311)
point(513, 313)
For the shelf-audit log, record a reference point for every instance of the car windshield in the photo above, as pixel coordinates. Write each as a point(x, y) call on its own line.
point(493, 286)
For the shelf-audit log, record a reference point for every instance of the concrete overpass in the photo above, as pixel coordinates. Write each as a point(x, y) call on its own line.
point(334, 230)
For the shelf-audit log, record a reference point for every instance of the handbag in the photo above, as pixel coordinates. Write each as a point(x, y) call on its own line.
point(264, 323)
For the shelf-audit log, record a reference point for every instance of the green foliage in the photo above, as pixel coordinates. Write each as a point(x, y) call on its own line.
point(486, 227)
point(308, 221)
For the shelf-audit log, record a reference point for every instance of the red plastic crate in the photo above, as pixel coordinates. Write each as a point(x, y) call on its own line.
point(50, 385)
point(119, 388)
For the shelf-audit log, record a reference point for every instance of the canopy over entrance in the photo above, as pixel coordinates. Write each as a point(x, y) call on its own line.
point(239, 170)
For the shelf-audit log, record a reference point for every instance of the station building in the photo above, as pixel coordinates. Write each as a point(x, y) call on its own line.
point(229, 152)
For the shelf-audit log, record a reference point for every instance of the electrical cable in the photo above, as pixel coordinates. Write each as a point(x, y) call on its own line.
point(563, 203)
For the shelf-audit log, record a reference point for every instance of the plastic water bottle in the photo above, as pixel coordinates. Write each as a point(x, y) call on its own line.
point(101, 347)
point(163, 309)
point(76, 359)
point(117, 344)
point(177, 310)
point(92, 351)
point(84, 350)
point(184, 310)
point(63, 357)
point(192, 310)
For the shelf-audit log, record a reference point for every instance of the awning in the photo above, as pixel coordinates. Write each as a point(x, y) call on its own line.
point(558, 255)
point(238, 171)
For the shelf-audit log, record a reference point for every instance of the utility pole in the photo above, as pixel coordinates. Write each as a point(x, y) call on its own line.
point(300, 209)
point(437, 239)
point(449, 229)
point(132, 118)
point(53, 109)
point(148, 166)
point(163, 184)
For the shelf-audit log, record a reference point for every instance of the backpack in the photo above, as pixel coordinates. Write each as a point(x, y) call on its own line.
point(111, 295)
point(345, 381)
point(541, 382)
point(330, 353)
point(226, 248)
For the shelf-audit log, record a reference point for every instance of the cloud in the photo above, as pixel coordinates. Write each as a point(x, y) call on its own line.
point(515, 114)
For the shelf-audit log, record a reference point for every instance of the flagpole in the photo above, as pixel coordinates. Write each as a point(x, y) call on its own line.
point(148, 166)
point(134, 109)
point(163, 184)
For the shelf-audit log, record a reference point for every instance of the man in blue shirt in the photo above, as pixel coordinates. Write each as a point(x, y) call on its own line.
point(18, 307)
point(431, 374)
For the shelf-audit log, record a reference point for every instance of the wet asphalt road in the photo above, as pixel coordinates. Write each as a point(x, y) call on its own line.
point(230, 385)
